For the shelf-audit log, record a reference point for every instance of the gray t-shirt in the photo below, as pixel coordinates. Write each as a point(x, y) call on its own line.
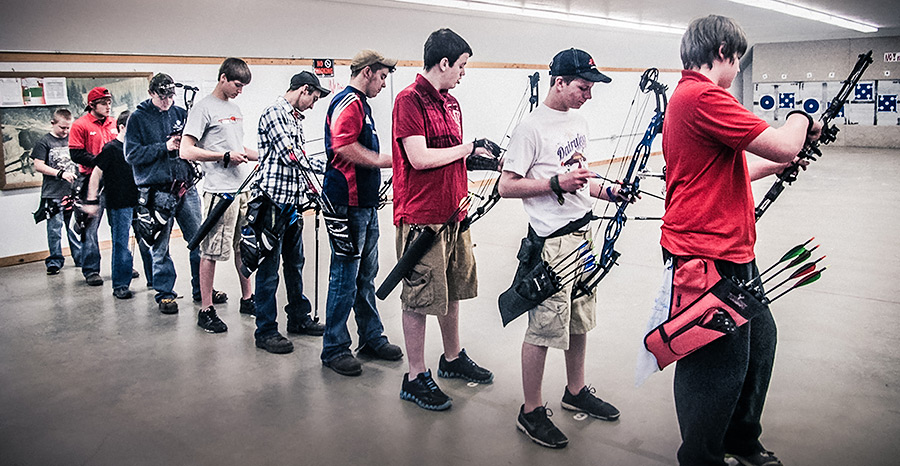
point(54, 152)
point(218, 125)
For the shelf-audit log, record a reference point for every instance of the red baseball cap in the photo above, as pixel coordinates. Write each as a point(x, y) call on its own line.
point(97, 93)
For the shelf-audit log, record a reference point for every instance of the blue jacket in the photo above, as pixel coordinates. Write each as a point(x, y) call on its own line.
point(145, 145)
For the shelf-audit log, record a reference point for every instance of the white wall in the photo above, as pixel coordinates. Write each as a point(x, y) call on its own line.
point(319, 29)
point(307, 29)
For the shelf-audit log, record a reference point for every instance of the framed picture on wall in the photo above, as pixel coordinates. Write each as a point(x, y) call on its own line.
point(22, 127)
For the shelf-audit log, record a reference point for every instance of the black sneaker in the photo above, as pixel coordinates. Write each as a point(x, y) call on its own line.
point(387, 351)
point(53, 270)
point(248, 306)
point(219, 297)
point(122, 293)
point(93, 279)
point(344, 364)
point(209, 321)
point(168, 306)
point(306, 327)
point(540, 429)
point(762, 458)
point(275, 343)
point(135, 274)
point(424, 392)
point(464, 367)
point(586, 402)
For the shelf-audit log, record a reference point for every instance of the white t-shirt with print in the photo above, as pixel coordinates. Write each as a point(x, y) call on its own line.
point(218, 125)
point(548, 142)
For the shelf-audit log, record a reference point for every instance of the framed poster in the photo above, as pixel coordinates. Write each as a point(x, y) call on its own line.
point(22, 127)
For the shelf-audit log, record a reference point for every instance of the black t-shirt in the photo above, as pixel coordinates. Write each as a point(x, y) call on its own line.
point(118, 178)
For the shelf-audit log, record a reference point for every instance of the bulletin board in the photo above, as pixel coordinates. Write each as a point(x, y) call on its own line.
point(22, 127)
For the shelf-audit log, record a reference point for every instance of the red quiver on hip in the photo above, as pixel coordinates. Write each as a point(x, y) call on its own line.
point(704, 308)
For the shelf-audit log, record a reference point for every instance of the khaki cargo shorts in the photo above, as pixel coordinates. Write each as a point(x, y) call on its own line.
point(225, 235)
point(552, 321)
point(446, 272)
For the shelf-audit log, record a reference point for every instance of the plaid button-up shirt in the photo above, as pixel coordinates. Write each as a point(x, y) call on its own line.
point(282, 154)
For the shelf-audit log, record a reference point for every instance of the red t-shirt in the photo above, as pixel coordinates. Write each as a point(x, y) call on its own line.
point(709, 204)
point(91, 134)
point(427, 196)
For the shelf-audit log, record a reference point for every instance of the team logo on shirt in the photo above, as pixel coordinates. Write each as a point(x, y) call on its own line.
point(570, 153)
point(577, 159)
point(230, 120)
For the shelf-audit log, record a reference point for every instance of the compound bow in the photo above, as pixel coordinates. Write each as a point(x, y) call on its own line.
point(596, 267)
point(829, 133)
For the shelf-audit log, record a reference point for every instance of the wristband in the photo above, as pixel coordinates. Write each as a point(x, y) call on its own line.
point(91, 202)
point(226, 158)
point(59, 174)
point(556, 188)
point(807, 115)
point(609, 194)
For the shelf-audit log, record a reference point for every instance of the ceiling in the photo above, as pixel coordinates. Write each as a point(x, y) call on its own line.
point(761, 25)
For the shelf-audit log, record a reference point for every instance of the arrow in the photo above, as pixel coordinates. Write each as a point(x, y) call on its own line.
point(794, 251)
point(802, 282)
point(805, 270)
point(805, 254)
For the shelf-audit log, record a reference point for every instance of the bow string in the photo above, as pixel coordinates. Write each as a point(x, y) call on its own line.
point(487, 193)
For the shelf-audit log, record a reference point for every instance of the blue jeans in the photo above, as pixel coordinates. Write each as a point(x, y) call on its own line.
point(120, 228)
point(55, 225)
point(289, 249)
point(352, 285)
point(90, 245)
point(187, 214)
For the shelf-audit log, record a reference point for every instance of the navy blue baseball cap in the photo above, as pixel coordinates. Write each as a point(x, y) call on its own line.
point(575, 62)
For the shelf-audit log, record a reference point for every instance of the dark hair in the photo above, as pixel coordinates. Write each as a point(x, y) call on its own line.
point(375, 67)
point(700, 43)
point(444, 43)
point(235, 69)
point(61, 114)
point(123, 118)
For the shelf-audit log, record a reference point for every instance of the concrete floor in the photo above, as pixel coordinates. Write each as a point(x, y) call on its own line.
point(87, 379)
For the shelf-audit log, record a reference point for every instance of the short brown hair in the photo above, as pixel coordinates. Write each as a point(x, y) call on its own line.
point(235, 69)
point(375, 67)
point(60, 114)
point(704, 36)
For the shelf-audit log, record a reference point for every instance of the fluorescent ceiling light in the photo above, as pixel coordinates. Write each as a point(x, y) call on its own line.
point(806, 13)
point(546, 14)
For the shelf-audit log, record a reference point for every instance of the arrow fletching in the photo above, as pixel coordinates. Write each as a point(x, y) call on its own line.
point(793, 252)
point(797, 260)
point(802, 282)
point(808, 268)
point(809, 279)
point(805, 270)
